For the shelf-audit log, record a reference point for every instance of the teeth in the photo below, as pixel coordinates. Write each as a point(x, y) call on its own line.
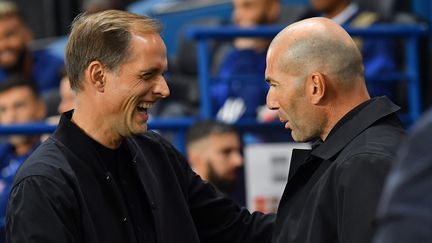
point(145, 105)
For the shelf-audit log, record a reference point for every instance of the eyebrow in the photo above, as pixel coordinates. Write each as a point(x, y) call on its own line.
point(153, 70)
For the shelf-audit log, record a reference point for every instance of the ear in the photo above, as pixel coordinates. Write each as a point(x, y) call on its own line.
point(316, 87)
point(95, 75)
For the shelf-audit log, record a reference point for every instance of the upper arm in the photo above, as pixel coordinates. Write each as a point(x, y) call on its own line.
point(41, 210)
point(219, 219)
point(359, 185)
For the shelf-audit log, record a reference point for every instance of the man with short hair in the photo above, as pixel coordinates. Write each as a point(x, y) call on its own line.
point(19, 103)
point(315, 73)
point(38, 66)
point(101, 177)
point(214, 152)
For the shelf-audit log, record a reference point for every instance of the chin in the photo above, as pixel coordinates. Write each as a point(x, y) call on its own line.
point(141, 129)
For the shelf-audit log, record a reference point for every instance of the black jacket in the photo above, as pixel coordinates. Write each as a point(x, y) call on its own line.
point(333, 190)
point(63, 193)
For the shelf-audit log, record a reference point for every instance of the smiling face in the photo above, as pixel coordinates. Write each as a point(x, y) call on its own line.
point(14, 38)
point(20, 105)
point(136, 85)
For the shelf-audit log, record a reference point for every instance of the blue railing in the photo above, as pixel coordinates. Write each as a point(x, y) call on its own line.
point(411, 34)
point(179, 125)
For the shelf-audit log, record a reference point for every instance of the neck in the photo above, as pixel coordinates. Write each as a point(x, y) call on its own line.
point(94, 125)
point(340, 107)
point(333, 12)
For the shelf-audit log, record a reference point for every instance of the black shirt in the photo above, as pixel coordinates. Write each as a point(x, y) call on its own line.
point(123, 170)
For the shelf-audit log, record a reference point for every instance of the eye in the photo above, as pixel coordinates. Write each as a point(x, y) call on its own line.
point(271, 84)
point(147, 76)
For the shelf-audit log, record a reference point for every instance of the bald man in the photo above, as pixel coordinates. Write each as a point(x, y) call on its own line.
point(315, 73)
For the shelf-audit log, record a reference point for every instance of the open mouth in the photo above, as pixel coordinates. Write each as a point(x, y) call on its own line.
point(143, 107)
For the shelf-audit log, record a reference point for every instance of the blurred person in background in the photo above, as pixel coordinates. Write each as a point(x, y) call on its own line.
point(19, 103)
point(38, 66)
point(94, 6)
point(315, 73)
point(378, 54)
point(214, 151)
point(241, 71)
point(67, 103)
point(67, 96)
point(405, 211)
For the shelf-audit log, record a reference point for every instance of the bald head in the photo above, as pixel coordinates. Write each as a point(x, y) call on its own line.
point(318, 45)
point(315, 73)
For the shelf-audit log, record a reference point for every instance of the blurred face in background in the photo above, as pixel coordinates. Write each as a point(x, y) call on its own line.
point(20, 105)
point(14, 39)
point(67, 96)
point(249, 13)
point(224, 158)
point(330, 7)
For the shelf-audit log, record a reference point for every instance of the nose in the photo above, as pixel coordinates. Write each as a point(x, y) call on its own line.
point(161, 88)
point(271, 101)
point(237, 159)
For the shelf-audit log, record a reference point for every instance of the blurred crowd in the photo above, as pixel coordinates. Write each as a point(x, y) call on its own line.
point(34, 86)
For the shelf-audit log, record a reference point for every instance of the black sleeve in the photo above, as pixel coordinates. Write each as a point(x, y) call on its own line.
point(40, 210)
point(359, 184)
point(218, 218)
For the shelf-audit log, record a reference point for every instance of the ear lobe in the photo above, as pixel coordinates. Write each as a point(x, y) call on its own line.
point(317, 83)
point(96, 75)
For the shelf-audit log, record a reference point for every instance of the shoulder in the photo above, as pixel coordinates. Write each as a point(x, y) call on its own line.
point(382, 138)
point(47, 161)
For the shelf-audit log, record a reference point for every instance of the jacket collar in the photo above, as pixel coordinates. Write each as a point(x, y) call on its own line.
point(73, 138)
point(377, 108)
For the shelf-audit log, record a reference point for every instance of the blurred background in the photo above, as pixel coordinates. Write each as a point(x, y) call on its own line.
point(216, 51)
